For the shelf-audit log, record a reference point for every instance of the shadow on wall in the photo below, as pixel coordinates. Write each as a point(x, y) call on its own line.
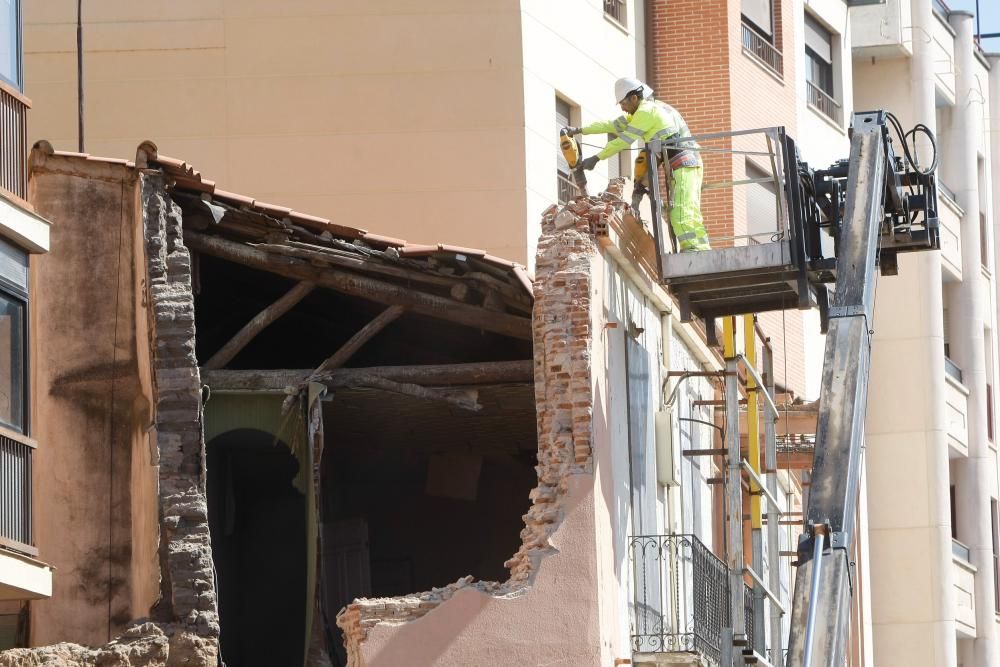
point(258, 525)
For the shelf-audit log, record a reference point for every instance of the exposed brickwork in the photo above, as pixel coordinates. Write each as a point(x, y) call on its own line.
point(188, 583)
point(563, 337)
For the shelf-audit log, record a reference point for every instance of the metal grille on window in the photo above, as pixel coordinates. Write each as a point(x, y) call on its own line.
point(617, 10)
point(819, 69)
point(566, 188)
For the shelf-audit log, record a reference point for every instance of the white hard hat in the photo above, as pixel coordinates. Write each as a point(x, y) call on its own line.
point(629, 84)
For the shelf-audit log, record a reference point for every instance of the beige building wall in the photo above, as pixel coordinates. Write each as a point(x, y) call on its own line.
point(95, 478)
point(427, 121)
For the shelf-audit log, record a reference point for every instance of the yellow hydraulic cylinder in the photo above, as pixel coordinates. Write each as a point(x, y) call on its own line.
point(753, 419)
point(729, 337)
point(570, 150)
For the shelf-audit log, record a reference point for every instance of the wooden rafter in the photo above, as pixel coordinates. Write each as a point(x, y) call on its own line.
point(364, 287)
point(483, 373)
point(467, 399)
point(261, 321)
point(348, 349)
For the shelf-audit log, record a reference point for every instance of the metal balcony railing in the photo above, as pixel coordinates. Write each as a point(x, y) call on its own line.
point(758, 46)
point(616, 10)
point(13, 142)
point(567, 188)
point(680, 600)
point(951, 369)
point(15, 494)
point(959, 550)
point(822, 102)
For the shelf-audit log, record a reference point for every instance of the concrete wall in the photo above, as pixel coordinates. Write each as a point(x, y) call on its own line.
point(384, 115)
point(95, 484)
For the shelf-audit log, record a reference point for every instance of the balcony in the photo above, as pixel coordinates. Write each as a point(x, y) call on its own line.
point(680, 600)
point(617, 11)
point(964, 580)
point(826, 105)
point(14, 139)
point(762, 50)
point(881, 30)
point(21, 577)
point(950, 217)
point(956, 410)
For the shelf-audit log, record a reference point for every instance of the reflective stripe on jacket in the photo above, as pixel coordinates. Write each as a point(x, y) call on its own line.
point(652, 120)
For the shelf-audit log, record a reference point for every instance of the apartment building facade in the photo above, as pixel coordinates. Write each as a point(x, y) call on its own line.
point(301, 105)
point(931, 461)
point(23, 235)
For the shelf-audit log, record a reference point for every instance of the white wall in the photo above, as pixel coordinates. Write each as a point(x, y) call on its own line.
point(571, 49)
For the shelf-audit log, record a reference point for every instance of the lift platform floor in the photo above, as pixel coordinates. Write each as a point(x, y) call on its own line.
point(731, 281)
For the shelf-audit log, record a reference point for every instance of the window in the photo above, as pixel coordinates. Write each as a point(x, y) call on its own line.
point(10, 42)
point(760, 15)
point(617, 11)
point(995, 523)
point(984, 242)
point(761, 34)
point(566, 187)
point(819, 69)
point(13, 330)
point(762, 205)
point(989, 411)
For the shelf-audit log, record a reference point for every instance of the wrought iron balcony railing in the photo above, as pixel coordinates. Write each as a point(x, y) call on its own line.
point(680, 600)
point(616, 10)
point(567, 188)
point(759, 46)
point(15, 494)
point(822, 102)
point(13, 141)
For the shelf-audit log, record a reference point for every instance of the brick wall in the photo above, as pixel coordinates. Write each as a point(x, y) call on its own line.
point(563, 337)
point(690, 70)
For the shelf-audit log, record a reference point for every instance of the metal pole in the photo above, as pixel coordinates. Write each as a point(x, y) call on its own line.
point(79, 74)
point(773, 515)
point(818, 535)
point(753, 453)
point(734, 486)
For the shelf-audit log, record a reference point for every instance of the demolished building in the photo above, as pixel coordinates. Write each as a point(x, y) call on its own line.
point(297, 442)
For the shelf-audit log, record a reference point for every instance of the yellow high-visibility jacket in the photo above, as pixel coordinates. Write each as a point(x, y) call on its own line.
point(652, 120)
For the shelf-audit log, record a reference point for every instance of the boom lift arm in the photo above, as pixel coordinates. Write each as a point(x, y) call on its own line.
point(877, 223)
point(875, 205)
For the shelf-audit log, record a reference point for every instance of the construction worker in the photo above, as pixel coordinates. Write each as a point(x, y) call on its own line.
point(647, 119)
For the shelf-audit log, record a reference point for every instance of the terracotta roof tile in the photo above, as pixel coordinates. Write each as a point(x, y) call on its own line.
point(196, 184)
point(272, 209)
point(232, 198)
point(416, 250)
point(188, 179)
point(459, 250)
point(378, 239)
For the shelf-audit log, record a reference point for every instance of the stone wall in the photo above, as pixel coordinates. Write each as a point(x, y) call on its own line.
point(159, 332)
point(188, 584)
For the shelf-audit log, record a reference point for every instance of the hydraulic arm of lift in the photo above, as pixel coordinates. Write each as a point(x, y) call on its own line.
point(875, 205)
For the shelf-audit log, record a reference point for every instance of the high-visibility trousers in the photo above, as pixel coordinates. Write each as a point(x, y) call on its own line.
point(685, 214)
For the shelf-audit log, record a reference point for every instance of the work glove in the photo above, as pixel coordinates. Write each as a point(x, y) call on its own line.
point(589, 163)
point(571, 131)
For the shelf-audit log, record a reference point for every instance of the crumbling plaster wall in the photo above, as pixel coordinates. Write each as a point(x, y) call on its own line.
point(117, 309)
point(93, 478)
point(562, 602)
